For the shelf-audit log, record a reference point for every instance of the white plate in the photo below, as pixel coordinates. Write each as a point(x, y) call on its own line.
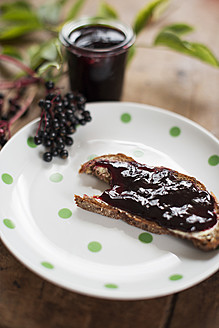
point(89, 253)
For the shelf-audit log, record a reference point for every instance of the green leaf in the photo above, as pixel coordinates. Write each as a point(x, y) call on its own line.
point(45, 67)
point(75, 9)
point(49, 51)
point(107, 11)
point(159, 11)
point(144, 16)
point(196, 50)
point(49, 13)
point(15, 5)
point(178, 28)
point(14, 31)
point(11, 51)
point(20, 15)
point(131, 53)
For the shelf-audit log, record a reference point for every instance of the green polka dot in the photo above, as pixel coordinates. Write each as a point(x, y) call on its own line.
point(90, 157)
point(111, 286)
point(56, 177)
point(145, 237)
point(175, 131)
point(94, 246)
point(138, 153)
point(175, 277)
point(31, 143)
point(47, 265)
point(7, 178)
point(65, 213)
point(126, 117)
point(213, 160)
point(9, 223)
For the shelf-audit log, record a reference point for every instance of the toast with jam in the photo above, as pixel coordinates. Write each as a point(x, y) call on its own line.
point(155, 199)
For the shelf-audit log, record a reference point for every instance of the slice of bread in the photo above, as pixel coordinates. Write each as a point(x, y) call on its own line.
point(205, 240)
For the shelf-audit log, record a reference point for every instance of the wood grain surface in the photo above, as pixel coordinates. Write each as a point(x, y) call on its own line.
point(161, 78)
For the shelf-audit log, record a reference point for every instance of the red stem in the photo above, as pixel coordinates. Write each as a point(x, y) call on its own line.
point(18, 63)
point(22, 82)
point(21, 111)
point(3, 124)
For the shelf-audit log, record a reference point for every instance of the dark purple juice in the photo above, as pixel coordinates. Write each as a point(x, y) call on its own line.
point(97, 56)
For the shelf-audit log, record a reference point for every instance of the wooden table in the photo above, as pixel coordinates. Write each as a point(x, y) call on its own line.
point(161, 78)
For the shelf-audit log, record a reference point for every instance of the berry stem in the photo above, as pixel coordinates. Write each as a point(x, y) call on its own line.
point(18, 63)
point(22, 110)
point(22, 82)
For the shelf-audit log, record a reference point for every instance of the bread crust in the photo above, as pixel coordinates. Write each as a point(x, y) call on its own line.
point(205, 240)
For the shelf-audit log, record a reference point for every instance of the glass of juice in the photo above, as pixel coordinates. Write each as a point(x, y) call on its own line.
point(97, 52)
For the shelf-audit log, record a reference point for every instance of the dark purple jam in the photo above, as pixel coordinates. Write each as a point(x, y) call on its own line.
point(96, 37)
point(157, 194)
point(97, 62)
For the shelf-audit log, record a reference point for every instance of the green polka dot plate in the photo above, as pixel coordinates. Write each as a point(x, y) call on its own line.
point(88, 253)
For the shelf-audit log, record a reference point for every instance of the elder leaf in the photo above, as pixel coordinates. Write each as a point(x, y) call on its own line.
point(50, 12)
point(144, 16)
point(107, 11)
point(13, 31)
point(19, 15)
point(131, 53)
point(197, 50)
point(75, 9)
point(46, 66)
point(178, 28)
point(49, 51)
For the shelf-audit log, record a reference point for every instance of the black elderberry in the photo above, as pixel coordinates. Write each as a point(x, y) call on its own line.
point(82, 121)
point(50, 96)
point(88, 118)
point(70, 129)
point(47, 156)
point(66, 103)
point(60, 145)
point(42, 134)
point(70, 96)
point(52, 135)
point(49, 85)
point(62, 131)
point(54, 151)
point(72, 107)
point(86, 113)
point(37, 140)
point(81, 106)
point(69, 111)
point(58, 98)
point(41, 103)
point(47, 142)
point(68, 141)
point(55, 125)
point(59, 139)
point(63, 154)
point(47, 104)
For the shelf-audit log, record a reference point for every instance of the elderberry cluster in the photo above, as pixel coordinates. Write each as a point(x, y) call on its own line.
point(60, 117)
point(11, 107)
